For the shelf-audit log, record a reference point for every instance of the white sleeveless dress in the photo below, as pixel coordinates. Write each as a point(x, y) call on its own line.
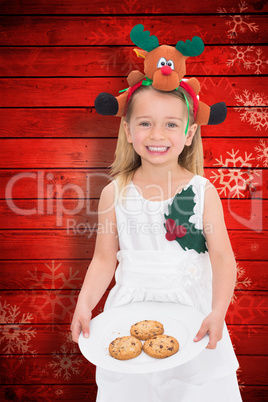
point(151, 268)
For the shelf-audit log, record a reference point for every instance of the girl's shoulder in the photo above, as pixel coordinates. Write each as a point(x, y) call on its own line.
point(108, 190)
point(107, 196)
point(212, 200)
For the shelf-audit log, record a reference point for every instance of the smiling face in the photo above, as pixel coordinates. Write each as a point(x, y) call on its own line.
point(156, 127)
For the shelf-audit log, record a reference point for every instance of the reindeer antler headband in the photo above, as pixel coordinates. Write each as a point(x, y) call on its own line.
point(164, 69)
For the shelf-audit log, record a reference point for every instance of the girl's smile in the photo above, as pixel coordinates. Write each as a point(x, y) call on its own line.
point(157, 150)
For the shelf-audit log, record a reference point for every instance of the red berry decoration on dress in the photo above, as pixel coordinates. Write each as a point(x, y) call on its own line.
point(180, 231)
point(170, 236)
point(170, 225)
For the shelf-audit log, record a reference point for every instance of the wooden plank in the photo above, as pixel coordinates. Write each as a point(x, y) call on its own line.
point(50, 307)
point(253, 370)
point(239, 214)
point(247, 308)
point(77, 242)
point(252, 275)
point(107, 30)
point(249, 339)
point(88, 392)
point(69, 274)
point(99, 153)
point(253, 241)
point(56, 307)
point(115, 62)
point(67, 392)
point(46, 370)
point(82, 92)
point(42, 183)
point(254, 393)
point(60, 122)
point(44, 339)
point(54, 274)
point(86, 123)
point(88, 183)
point(123, 7)
point(35, 244)
point(248, 365)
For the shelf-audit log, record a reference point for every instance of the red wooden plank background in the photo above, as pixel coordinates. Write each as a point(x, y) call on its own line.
point(55, 57)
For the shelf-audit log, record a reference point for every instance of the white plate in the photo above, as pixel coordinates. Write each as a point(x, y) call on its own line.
point(180, 321)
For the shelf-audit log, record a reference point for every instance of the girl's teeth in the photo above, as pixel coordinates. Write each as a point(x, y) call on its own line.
point(157, 149)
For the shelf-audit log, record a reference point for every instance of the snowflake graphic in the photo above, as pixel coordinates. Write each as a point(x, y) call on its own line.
point(241, 281)
point(262, 150)
point(65, 364)
point(252, 112)
point(58, 279)
point(259, 62)
point(237, 22)
point(249, 58)
point(240, 382)
point(246, 308)
point(15, 338)
point(50, 304)
point(237, 179)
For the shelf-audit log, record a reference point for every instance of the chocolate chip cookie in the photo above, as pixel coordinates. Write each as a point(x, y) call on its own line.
point(125, 348)
point(146, 329)
point(161, 346)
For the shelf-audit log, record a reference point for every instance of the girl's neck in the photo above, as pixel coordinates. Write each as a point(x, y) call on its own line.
point(161, 174)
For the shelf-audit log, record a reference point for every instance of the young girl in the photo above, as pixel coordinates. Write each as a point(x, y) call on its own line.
point(158, 155)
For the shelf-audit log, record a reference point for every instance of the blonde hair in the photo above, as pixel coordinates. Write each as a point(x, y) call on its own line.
point(127, 161)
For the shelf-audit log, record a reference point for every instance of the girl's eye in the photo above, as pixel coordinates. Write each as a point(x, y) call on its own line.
point(144, 124)
point(172, 125)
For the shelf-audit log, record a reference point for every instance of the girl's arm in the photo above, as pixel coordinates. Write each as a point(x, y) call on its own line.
point(223, 266)
point(101, 270)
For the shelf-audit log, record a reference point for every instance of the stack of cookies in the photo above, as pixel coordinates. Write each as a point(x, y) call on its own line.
point(156, 344)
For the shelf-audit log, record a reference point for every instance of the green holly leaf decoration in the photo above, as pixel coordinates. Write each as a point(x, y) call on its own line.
point(178, 226)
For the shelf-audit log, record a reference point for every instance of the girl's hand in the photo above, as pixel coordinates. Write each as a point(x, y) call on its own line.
point(213, 325)
point(80, 322)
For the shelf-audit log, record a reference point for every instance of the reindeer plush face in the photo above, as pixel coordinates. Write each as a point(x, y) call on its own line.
point(164, 65)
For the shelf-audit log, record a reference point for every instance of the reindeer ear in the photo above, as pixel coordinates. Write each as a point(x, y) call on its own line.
point(140, 53)
point(192, 47)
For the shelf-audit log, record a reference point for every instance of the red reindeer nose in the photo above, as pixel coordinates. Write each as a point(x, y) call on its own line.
point(166, 70)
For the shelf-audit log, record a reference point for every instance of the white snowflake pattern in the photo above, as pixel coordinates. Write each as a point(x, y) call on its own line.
point(241, 281)
point(65, 364)
point(249, 58)
point(58, 279)
point(240, 56)
point(15, 338)
point(237, 179)
point(55, 302)
point(259, 62)
point(237, 22)
point(252, 111)
point(262, 150)
point(245, 310)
